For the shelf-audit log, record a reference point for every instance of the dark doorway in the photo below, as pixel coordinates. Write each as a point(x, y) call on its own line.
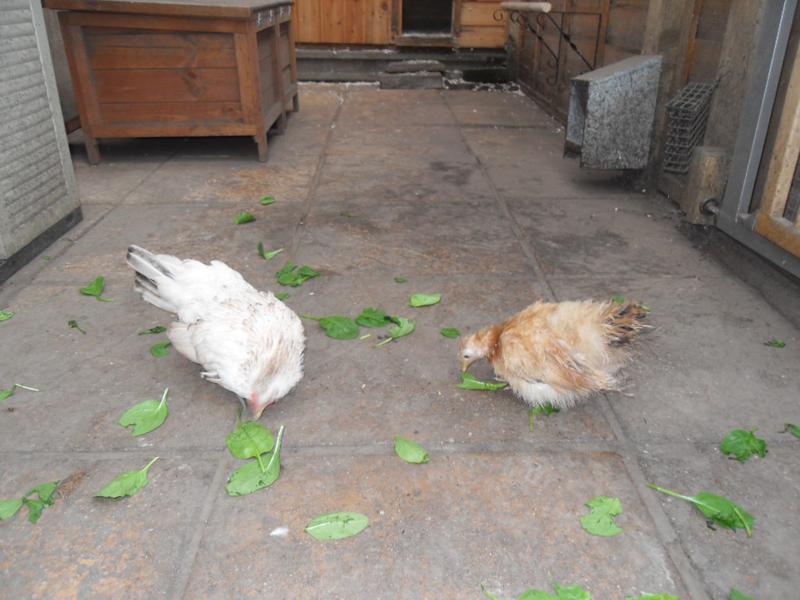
point(427, 17)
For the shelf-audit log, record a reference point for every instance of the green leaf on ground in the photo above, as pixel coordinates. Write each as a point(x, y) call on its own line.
point(268, 255)
point(718, 509)
point(336, 327)
point(743, 444)
point(146, 416)
point(267, 200)
point(45, 491)
point(156, 329)
point(160, 350)
point(737, 595)
point(73, 324)
point(5, 315)
point(373, 317)
point(450, 332)
point(10, 392)
point(126, 484)
point(469, 382)
point(8, 508)
point(35, 508)
point(402, 328)
point(574, 592)
point(775, 343)
point(419, 300)
point(250, 440)
point(600, 521)
point(653, 597)
point(293, 276)
point(96, 289)
point(618, 299)
point(546, 410)
point(338, 525)
point(488, 594)
point(409, 451)
point(259, 474)
point(282, 296)
point(244, 217)
point(400, 279)
point(788, 428)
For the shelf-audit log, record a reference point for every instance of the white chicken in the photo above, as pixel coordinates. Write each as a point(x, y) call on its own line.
point(247, 341)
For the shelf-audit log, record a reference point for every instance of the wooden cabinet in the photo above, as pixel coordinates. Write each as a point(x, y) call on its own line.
point(155, 68)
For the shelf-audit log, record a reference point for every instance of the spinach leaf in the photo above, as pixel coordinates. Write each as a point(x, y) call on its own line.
point(5, 315)
point(450, 332)
point(418, 300)
point(126, 484)
point(244, 217)
point(469, 382)
point(250, 440)
point(146, 416)
point(600, 521)
point(653, 597)
point(338, 525)
point(268, 255)
point(45, 492)
point(718, 509)
point(404, 327)
point(8, 508)
point(96, 289)
point(574, 592)
point(267, 200)
point(10, 392)
point(400, 279)
point(737, 595)
point(282, 296)
point(293, 276)
point(618, 299)
point(373, 317)
point(788, 428)
point(338, 328)
point(775, 343)
point(35, 508)
point(546, 410)
point(160, 350)
point(254, 475)
point(156, 329)
point(73, 324)
point(409, 451)
point(743, 444)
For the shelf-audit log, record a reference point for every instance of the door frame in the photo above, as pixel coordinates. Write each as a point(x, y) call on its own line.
point(401, 39)
point(736, 217)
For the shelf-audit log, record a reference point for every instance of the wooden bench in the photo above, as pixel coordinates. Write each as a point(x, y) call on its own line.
point(163, 68)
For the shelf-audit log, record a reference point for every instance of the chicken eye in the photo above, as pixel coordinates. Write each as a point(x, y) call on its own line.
point(466, 355)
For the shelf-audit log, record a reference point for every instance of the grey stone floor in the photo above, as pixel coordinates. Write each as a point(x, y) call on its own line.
point(463, 193)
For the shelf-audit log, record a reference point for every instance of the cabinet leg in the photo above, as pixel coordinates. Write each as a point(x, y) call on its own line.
point(92, 151)
point(280, 124)
point(296, 102)
point(261, 142)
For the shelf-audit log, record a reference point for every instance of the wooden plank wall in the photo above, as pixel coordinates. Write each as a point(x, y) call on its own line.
point(478, 28)
point(702, 58)
point(343, 22)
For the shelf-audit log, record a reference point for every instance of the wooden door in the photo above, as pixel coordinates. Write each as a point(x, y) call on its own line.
point(343, 22)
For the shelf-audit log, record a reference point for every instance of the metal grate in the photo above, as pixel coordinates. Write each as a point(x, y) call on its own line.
point(687, 115)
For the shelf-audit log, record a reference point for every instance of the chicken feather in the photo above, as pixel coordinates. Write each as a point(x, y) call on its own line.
point(247, 341)
point(557, 353)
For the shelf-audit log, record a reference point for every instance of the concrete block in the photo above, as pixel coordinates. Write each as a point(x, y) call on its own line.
point(421, 80)
point(415, 66)
point(708, 173)
point(611, 111)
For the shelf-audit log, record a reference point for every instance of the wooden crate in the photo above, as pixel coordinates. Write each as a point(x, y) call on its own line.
point(162, 68)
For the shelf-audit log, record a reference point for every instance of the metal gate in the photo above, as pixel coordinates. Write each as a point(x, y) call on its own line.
point(760, 206)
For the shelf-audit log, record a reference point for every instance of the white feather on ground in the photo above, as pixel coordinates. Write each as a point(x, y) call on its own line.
point(247, 341)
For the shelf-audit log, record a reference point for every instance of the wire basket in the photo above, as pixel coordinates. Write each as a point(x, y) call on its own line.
point(687, 116)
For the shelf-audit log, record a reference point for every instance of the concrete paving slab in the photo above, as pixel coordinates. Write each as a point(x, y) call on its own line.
point(763, 566)
point(395, 107)
point(85, 547)
point(436, 531)
point(502, 109)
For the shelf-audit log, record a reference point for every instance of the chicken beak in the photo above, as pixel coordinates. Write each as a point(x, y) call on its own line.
point(256, 411)
point(465, 365)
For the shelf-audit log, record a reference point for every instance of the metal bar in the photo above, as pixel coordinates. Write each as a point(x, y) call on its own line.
point(566, 37)
point(769, 52)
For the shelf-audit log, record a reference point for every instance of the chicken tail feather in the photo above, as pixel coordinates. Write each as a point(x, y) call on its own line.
point(624, 321)
point(149, 272)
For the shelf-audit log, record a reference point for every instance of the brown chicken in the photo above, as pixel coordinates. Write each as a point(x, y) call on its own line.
point(557, 353)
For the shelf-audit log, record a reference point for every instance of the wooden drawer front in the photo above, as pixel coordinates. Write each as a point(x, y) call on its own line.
point(144, 76)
